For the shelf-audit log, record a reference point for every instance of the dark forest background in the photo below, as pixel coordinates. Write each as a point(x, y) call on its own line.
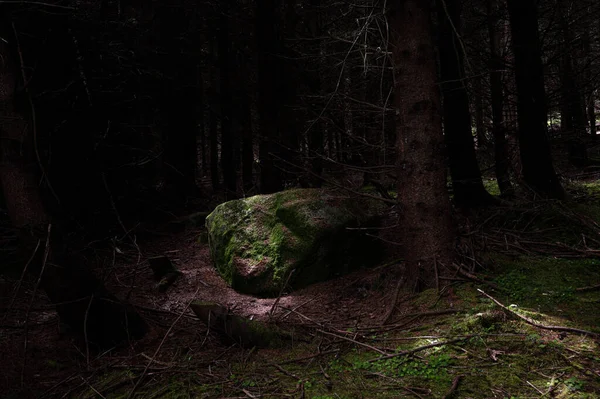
point(139, 106)
point(118, 116)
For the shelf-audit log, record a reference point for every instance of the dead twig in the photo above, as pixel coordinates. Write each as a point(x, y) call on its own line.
point(538, 325)
point(281, 292)
point(284, 371)
point(137, 384)
point(454, 387)
point(476, 279)
point(310, 357)
point(407, 389)
point(420, 348)
point(590, 288)
point(248, 394)
point(14, 297)
point(37, 285)
point(353, 341)
point(390, 311)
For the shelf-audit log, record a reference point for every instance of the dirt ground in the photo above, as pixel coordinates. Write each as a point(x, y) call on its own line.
point(39, 359)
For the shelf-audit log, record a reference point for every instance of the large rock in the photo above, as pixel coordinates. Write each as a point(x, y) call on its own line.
point(256, 242)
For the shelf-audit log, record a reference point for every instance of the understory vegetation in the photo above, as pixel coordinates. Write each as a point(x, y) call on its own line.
point(519, 320)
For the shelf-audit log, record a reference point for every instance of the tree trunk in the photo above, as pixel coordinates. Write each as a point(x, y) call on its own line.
point(228, 166)
point(466, 177)
point(181, 154)
point(247, 144)
point(213, 134)
point(203, 146)
point(426, 228)
point(214, 149)
point(497, 65)
point(81, 300)
point(538, 170)
point(246, 125)
point(571, 86)
point(179, 102)
point(201, 121)
point(318, 127)
point(591, 111)
point(591, 99)
point(269, 80)
point(479, 111)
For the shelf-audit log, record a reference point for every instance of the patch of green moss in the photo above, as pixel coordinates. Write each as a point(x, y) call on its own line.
point(491, 185)
point(548, 284)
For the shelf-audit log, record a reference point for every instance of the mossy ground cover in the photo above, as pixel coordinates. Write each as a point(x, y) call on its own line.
point(492, 354)
point(456, 343)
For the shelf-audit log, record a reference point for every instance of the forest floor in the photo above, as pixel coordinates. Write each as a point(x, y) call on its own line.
point(520, 319)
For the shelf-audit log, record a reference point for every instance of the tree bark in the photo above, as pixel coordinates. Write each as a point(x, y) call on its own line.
point(179, 102)
point(591, 99)
point(213, 133)
point(497, 65)
point(426, 228)
point(228, 166)
point(181, 146)
point(81, 300)
point(214, 149)
point(466, 177)
point(247, 144)
point(538, 170)
point(269, 79)
point(479, 112)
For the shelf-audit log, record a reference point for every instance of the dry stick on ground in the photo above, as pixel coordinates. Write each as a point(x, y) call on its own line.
point(12, 301)
point(421, 348)
point(413, 317)
point(310, 357)
point(390, 311)
point(453, 387)
point(85, 332)
point(281, 292)
point(353, 341)
point(304, 317)
point(284, 371)
point(37, 284)
point(297, 307)
point(407, 389)
point(248, 394)
point(590, 288)
point(474, 278)
point(137, 384)
point(541, 326)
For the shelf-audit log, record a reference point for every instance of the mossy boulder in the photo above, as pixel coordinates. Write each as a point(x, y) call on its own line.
point(257, 242)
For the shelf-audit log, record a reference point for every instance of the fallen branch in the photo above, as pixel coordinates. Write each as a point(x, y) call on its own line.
point(538, 325)
point(453, 387)
point(353, 341)
point(390, 311)
point(152, 360)
point(284, 371)
point(310, 357)
point(474, 278)
point(407, 389)
point(421, 348)
point(590, 288)
point(287, 280)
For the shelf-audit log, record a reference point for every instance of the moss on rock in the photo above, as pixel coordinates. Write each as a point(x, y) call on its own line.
point(257, 242)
